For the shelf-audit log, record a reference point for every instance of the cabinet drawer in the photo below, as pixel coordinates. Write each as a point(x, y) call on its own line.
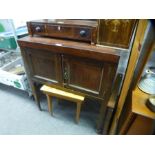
point(77, 33)
point(60, 31)
point(65, 29)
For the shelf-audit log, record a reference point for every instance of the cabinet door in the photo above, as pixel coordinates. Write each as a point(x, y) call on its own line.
point(44, 65)
point(87, 75)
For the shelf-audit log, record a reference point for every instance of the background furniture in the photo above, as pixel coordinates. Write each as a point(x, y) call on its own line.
point(138, 119)
point(116, 32)
point(135, 51)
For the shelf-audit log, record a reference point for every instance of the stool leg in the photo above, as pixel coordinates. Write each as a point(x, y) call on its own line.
point(78, 112)
point(49, 101)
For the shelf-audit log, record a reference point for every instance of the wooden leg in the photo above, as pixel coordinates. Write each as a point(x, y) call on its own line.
point(78, 110)
point(36, 94)
point(107, 121)
point(49, 101)
point(101, 117)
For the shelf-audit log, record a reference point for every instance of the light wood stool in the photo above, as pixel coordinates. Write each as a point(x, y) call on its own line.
point(50, 91)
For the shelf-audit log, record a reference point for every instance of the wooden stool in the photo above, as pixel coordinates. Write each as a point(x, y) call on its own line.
point(50, 91)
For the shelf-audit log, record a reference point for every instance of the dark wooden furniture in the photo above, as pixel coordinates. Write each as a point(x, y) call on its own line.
point(80, 30)
point(80, 67)
point(112, 105)
point(140, 120)
point(116, 32)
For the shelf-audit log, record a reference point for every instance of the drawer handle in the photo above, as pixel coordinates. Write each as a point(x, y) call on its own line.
point(82, 33)
point(59, 28)
point(65, 73)
point(38, 29)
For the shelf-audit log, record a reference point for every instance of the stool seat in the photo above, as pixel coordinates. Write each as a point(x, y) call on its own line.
point(51, 91)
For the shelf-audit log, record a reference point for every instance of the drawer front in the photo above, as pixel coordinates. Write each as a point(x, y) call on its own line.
point(60, 31)
point(75, 33)
point(77, 30)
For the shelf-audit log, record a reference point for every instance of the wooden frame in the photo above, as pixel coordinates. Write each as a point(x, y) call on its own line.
point(141, 28)
point(137, 99)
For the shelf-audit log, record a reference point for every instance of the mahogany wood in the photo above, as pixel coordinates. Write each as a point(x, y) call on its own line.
point(80, 67)
point(81, 30)
point(116, 32)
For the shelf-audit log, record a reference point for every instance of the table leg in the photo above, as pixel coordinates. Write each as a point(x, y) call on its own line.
point(49, 101)
point(78, 110)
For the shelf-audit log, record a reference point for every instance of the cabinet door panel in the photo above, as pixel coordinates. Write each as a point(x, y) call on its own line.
point(116, 32)
point(45, 65)
point(87, 75)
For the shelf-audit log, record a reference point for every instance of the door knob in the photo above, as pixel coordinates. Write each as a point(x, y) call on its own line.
point(83, 33)
point(38, 29)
